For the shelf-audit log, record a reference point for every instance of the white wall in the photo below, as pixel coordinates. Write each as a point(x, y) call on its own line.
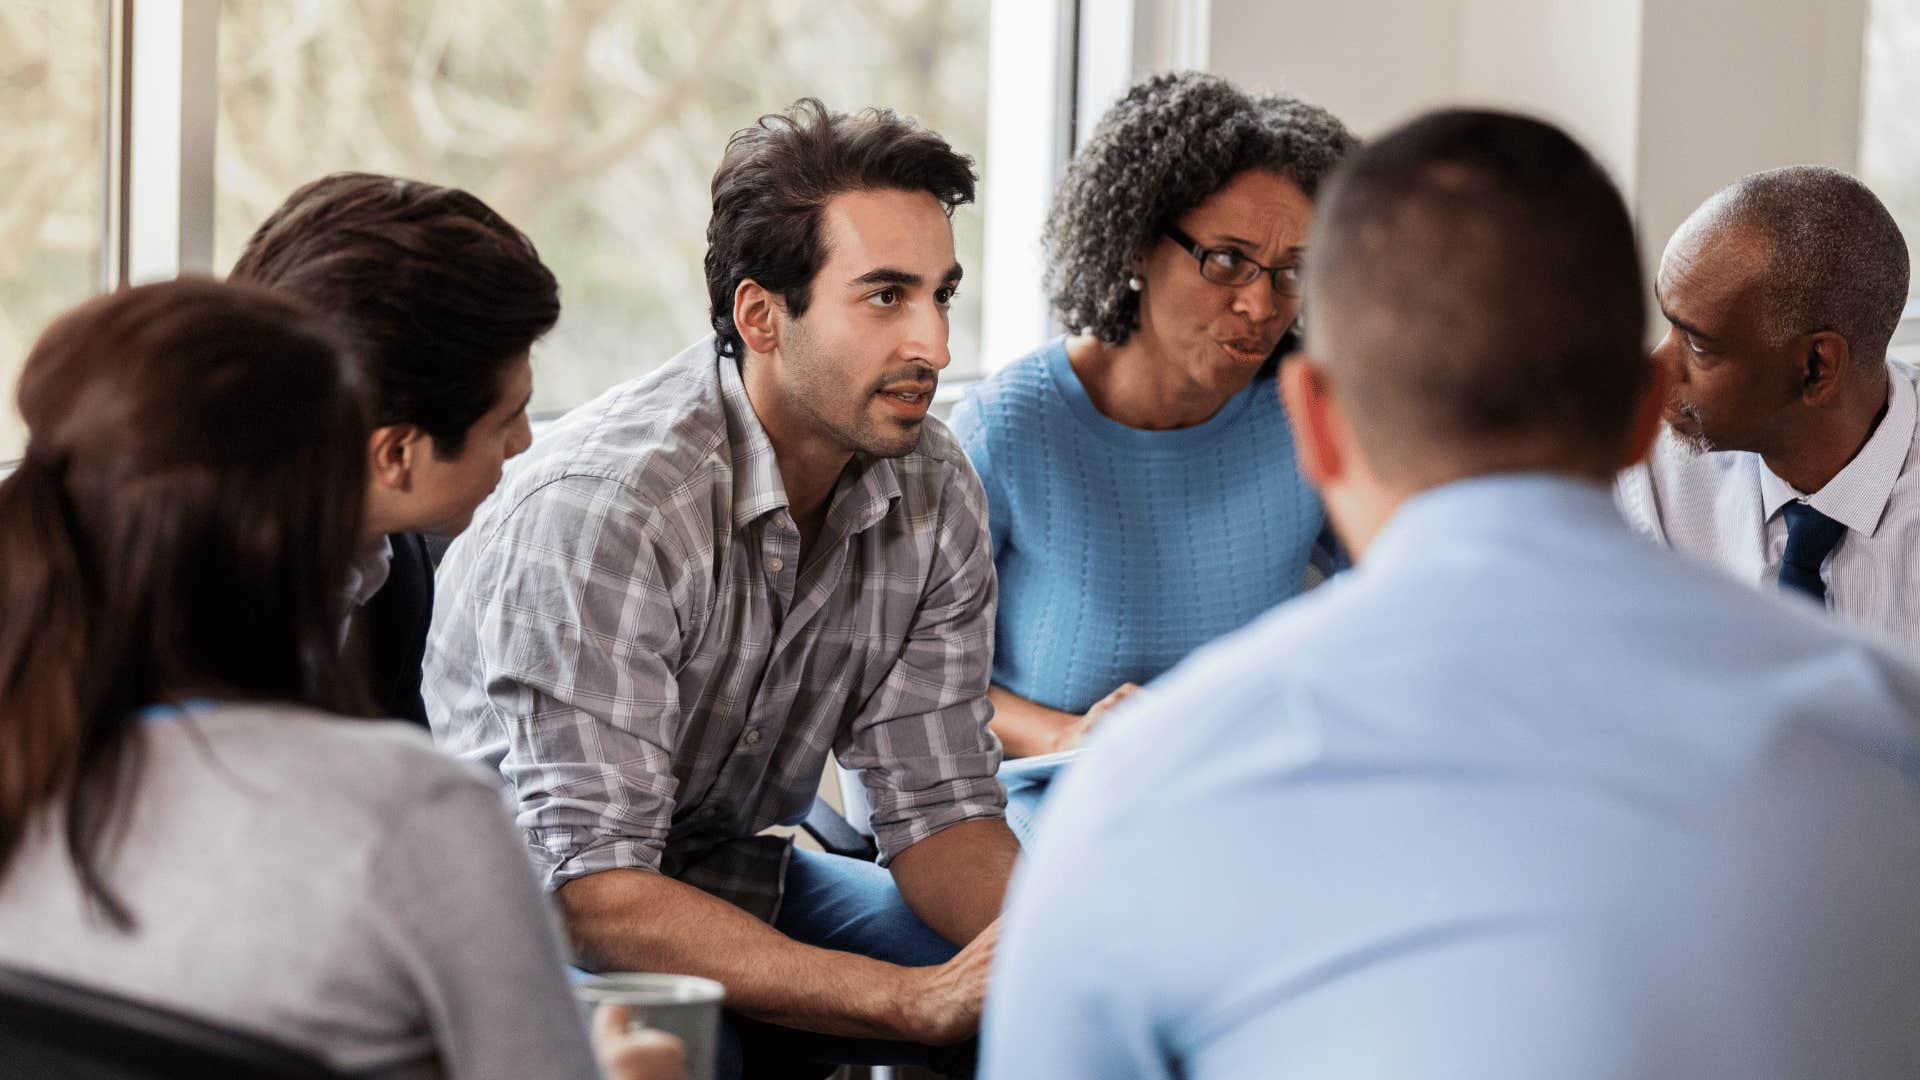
point(1734, 86)
point(1378, 62)
point(1574, 62)
point(1675, 97)
point(1373, 62)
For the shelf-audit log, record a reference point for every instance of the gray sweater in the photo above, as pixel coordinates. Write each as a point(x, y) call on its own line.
point(337, 885)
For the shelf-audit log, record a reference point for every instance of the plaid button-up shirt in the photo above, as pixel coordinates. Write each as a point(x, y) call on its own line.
point(626, 633)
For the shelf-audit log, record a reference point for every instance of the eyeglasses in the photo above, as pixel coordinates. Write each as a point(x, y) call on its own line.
point(1225, 266)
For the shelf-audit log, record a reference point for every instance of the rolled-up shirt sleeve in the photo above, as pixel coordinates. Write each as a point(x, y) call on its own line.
point(921, 740)
point(573, 603)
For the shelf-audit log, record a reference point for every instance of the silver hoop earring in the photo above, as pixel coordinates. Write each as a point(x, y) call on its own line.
point(1135, 283)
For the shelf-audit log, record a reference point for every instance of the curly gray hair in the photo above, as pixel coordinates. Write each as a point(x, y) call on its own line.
point(1166, 145)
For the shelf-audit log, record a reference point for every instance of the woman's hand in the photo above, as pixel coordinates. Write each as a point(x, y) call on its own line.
point(1093, 716)
point(634, 1055)
point(1028, 729)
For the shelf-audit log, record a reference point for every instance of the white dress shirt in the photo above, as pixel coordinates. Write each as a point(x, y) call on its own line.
point(1725, 506)
point(364, 578)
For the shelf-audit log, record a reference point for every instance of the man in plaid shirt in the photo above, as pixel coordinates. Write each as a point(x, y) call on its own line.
point(693, 588)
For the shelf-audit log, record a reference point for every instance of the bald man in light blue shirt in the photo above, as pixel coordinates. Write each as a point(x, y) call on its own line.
point(1521, 795)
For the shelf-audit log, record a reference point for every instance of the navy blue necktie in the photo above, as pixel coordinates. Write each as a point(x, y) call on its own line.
point(1811, 537)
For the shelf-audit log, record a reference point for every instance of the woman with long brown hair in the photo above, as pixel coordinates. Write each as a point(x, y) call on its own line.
point(184, 818)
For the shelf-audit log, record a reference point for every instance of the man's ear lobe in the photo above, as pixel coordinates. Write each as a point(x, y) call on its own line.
point(755, 316)
point(1824, 362)
point(1310, 412)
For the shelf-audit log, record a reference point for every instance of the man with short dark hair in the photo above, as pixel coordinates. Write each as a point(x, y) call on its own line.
point(697, 586)
point(444, 299)
point(1521, 795)
point(1793, 452)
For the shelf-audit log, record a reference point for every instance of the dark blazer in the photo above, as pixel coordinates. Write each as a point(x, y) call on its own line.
point(397, 618)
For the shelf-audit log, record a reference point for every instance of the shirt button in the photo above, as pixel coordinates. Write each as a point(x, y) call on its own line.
point(711, 811)
point(753, 737)
point(776, 564)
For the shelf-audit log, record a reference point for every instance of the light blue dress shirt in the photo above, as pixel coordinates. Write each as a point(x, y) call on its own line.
point(1522, 796)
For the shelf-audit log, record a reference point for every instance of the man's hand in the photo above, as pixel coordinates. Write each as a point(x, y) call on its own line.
point(774, 978)
point(634, 1055)
point(946, 1008)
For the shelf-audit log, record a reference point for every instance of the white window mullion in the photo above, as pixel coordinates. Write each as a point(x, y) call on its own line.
point(1028, 45)
point(1123, 41)
point(168, 165)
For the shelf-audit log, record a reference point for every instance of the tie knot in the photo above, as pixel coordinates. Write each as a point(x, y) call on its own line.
point(1811, 536)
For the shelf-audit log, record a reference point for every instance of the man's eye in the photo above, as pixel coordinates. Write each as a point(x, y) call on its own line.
point(945, 294)
point(885, 298)
point(1693, 346)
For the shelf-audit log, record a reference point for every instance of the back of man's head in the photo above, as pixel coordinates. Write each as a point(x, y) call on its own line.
point(1476, 297)
point(1836, 261)
point(441, 293)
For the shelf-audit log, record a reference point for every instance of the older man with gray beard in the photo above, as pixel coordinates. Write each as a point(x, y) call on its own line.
point(1791, 455)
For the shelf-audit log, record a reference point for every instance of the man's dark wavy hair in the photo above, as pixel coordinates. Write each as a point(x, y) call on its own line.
point(773, 184)
point(440, 293)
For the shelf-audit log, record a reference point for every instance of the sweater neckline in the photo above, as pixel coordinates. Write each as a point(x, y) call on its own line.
point(1067, 381)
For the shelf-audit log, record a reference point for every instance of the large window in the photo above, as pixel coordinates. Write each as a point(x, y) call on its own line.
point(593, 126)
point(52, 78)
point(1889, 139)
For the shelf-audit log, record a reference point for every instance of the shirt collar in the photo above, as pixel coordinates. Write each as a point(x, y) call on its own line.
point(1495, 505)
point(864, 494)
point(1857, 496)
point(369, 573)
point(757, 487)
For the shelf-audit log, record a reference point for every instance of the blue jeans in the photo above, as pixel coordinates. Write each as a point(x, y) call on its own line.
point(852, 906)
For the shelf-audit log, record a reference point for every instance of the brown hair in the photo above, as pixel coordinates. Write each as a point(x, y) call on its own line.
point(440, 293)
point(772, 187)
point(1476, 293)
point(187, 508)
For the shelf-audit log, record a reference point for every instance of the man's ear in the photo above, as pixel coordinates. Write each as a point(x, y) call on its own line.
point(393, 451)
point(1825, 358)
point(755, 316)
point(1311, 413)
point(1647, 415)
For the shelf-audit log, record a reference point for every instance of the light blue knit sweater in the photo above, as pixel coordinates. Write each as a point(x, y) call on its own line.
point(1122, 550)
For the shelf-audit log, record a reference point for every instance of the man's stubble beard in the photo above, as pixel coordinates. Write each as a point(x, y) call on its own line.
point(818, 388)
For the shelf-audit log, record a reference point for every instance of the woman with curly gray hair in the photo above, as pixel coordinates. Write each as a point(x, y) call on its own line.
point(1140, 480)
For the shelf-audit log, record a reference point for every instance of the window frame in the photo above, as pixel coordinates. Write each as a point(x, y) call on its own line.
point(163, 110)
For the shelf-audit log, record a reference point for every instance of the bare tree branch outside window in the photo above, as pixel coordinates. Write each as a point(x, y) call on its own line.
point(53, 84)
point(594, 125)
